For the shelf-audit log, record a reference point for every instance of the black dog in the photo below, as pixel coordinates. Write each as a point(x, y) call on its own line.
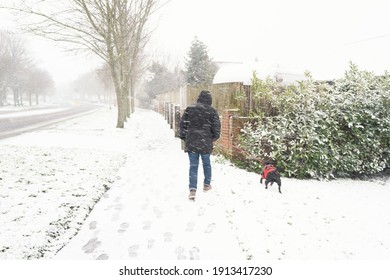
point(271, 175)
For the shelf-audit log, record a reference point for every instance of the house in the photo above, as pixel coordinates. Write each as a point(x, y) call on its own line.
point(243, 73)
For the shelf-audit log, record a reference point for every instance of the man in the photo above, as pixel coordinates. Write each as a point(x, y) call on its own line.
point(199, 128)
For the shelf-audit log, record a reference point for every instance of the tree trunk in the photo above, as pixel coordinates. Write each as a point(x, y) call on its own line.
point(120, 120)
point(2, 96)
point(16, 97)
point(132, 94)
point(128, 110)
point(121, 108)
point(118, 91)
point(121, 97)
point(126, 96)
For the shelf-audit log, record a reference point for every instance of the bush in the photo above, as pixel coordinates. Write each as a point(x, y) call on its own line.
point(324, 131)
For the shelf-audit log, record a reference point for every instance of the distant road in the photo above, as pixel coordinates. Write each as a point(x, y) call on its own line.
point(15, 122)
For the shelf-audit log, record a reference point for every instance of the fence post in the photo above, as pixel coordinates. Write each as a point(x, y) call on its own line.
point(166, 111)
point(161, 108)
point(171, 115)
point(177, 120)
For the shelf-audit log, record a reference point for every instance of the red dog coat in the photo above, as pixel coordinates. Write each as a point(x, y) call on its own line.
point(267, 169)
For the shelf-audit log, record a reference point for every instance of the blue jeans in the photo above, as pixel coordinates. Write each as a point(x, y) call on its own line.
point(194, 163)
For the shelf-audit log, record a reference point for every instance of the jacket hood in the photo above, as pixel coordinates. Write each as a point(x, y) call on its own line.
point(205, 98)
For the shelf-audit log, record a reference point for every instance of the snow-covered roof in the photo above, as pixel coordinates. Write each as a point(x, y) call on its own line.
point(238, 72)
point(243, 72)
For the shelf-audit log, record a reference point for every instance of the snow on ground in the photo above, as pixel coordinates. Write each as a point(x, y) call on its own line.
point(50, 179)
point(48, 187)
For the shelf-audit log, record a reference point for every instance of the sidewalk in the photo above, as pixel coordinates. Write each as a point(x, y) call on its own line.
point(52, 178)
point(146, 214)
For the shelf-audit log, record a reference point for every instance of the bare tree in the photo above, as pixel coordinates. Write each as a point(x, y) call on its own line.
point(13, 62)
point(115, 30)
point(36, 82)
point(5, 61)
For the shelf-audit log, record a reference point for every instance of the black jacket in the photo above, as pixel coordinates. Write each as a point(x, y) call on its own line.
point(200, 125)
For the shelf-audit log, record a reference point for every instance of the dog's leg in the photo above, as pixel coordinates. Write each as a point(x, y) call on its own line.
point(279, 182)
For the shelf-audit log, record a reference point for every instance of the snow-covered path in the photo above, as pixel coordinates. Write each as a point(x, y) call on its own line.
point(146, 215)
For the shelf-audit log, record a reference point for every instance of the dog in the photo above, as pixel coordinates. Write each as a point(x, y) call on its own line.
point(271, 175)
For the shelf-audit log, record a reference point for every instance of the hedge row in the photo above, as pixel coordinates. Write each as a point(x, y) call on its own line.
point(321, 130)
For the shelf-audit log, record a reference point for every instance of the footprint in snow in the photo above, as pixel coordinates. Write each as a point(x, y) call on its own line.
point(201, 211)
point(168, 237)
point(194, 253)
point(118, 207)
point(190, 226)
point(210, 228)
point(91, 245)
point(123, 227)
point(180, 253)
point(146, 225)
point(92, 225)
point(102, 257)
point(150, 243)
point(157, 212)
point(133, 251)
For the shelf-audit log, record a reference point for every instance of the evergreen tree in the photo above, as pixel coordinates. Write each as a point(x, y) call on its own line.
point(163, 80)
point(200, 68)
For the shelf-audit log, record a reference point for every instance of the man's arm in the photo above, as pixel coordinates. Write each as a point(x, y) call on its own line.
point(184, 121)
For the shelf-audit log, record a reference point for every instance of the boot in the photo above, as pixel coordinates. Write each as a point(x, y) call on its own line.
point(192, 194)
point(206, 187)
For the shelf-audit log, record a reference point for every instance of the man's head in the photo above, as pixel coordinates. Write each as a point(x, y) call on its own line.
point(205, 97)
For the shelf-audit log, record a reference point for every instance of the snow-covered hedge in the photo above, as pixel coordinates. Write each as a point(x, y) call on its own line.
point(321, 130)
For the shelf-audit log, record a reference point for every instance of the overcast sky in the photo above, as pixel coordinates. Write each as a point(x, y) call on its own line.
point(321, 36)
point(317, 35)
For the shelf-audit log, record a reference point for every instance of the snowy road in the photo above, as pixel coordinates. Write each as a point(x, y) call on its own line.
point(19, 121)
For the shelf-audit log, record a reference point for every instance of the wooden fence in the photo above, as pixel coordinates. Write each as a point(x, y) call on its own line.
point(225, 96)
point(231, 100)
